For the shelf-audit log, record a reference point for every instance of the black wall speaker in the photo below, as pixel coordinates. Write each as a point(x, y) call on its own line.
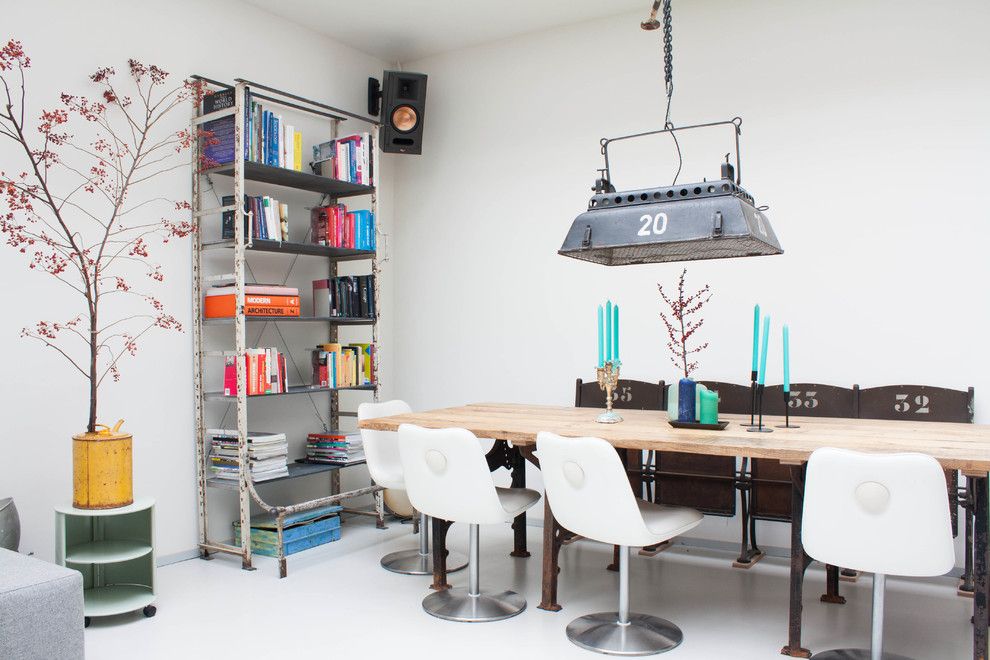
point(401, 100)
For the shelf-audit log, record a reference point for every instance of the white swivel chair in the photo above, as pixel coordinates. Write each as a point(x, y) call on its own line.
point(877, 513)
point(589, 493)
point(447, 477)
point(381, 452)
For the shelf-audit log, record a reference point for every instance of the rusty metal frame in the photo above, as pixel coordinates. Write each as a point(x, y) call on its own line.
point(245, 486)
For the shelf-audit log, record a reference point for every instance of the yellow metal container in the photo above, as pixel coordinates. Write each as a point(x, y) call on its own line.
point(102, 475)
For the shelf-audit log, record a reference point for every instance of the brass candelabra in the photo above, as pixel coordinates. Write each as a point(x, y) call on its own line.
point(608, 378)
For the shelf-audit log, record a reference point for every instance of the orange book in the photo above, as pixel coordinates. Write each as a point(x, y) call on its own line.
point(216, 307)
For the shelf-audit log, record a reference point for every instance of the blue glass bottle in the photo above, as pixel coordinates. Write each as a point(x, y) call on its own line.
point(686, 400)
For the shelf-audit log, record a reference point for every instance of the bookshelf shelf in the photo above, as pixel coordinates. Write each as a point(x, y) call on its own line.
point(307, 249)
point(294, 319)
point(227, 262)
point(280, 176)
point(294, 389)
point(296, 470)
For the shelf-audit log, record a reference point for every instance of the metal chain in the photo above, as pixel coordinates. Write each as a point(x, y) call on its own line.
point(668, 58)
point(668, 79)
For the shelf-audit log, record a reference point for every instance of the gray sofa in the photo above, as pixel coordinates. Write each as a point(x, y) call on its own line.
point(41, 609)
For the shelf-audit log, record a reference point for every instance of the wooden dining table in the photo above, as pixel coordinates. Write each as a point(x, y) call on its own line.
point(963, 447)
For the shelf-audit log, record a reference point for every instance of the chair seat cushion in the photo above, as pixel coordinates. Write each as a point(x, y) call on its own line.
point(389, 477)
point(516, 500)
point(666, 521)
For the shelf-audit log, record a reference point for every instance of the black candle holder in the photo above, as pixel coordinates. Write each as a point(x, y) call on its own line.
point(752, 400)
point(787, 413)
point(759, 428)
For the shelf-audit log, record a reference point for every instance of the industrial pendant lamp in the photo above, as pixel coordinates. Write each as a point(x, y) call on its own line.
point(714, 219)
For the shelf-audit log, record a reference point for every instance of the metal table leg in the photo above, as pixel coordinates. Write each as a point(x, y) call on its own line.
point(831, 594)
point(519, 523)
point(440, 528)
point(799, 563)
point(981, 557)
point(553, 536)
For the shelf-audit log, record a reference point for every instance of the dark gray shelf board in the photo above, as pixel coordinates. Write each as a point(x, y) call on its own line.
point(306, 249)
point(294, 319)
point(296, 469)
point(294, 389)
point(280, 176)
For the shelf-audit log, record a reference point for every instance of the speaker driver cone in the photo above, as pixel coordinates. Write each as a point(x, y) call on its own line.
point(404, 118)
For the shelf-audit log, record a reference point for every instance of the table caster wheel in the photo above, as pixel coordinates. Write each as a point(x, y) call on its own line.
point(150, 610)
point(87, 621)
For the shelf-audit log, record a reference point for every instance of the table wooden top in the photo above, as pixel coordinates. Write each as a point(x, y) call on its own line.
point(964, 447)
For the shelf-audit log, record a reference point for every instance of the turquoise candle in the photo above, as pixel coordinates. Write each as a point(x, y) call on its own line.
point(608, 331)
point(601, 339)
point(787, 359)
point(763, 353)
point(709, 407)
point(615, 334)
point(756, 336)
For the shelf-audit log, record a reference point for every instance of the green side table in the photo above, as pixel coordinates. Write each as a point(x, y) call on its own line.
point(114, 550)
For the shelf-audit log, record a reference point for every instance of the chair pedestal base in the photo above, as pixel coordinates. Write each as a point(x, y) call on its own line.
point(458, 605)
point(855, 654)
point(413, 562)
point(643, 635)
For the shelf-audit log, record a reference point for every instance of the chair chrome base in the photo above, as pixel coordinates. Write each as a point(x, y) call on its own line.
point(413, 562)
point(457, 604)
point(643, 635)
point(854, 654)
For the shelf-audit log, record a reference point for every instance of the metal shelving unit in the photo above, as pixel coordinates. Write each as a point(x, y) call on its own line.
point(240, 247)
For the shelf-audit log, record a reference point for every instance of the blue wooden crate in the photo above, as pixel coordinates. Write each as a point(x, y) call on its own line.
point(301, 532)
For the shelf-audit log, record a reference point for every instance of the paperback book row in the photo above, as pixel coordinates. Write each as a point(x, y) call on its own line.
point(339, 365)
point(267, 454)
point(268, 139)
point(266, 218)
point(334, 448)
point(335, 226)
point(259, 300)
point(348, 296)
point(264, 368)
point(345, 159)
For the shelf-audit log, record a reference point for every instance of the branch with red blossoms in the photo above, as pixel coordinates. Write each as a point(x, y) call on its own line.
point(681, 325)
point(82, 166)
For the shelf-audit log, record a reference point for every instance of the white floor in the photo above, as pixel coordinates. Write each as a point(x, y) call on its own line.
point(338, 603)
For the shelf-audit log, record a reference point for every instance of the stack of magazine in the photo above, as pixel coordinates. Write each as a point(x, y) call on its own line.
point(334, 448)
point(267, 454)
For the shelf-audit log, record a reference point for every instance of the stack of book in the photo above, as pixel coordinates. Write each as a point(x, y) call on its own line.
point(338, 365)
point(345, 159)
point(268, 139)
point(268, 218)
point(264, 369)
point(267, 454)
point(334, 448)
point(259, 300)
point(350, 296)
point(337, 227)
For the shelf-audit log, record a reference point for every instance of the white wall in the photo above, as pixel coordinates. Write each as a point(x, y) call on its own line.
point(43, 402)
point(864, 131)
point(861, 131)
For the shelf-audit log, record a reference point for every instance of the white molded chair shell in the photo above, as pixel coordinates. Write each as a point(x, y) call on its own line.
point(447, 476)
point(589, 493)
point(381, 448)
point(879, 513)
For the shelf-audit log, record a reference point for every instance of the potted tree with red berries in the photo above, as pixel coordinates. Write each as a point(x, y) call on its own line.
point(82, 207)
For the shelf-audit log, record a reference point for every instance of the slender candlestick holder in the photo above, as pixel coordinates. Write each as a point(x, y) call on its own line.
point(759, 428)
point(608, 378)
point(787, 413)
point(752, 400)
